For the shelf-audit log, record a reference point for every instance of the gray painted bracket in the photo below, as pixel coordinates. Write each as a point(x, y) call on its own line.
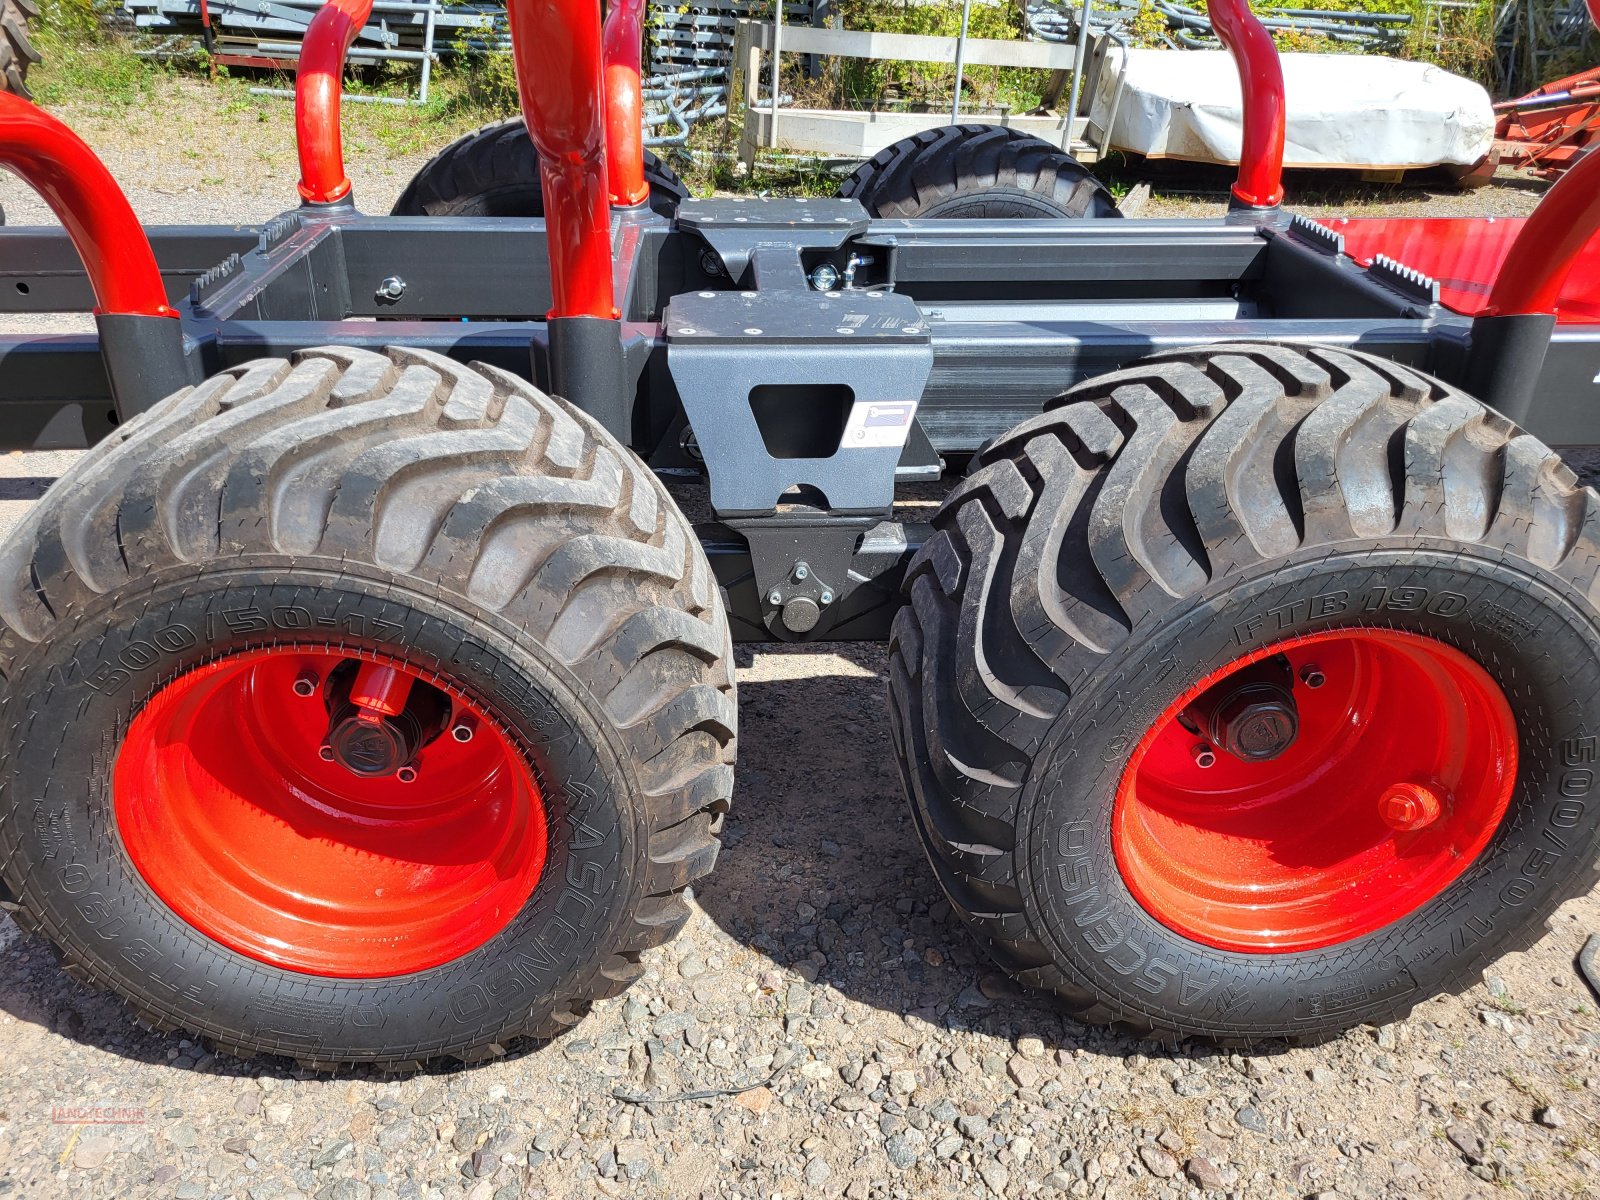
point(874, 343)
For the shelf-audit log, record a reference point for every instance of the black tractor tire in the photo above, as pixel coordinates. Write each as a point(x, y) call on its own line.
point(1156, 523)
point(494, 172)
point(393, 503)
point(977, 172)
point(16, 51)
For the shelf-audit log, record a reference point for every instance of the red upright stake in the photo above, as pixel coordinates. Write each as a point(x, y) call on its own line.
point(1548, 247)
point(1511, 339)
point(622, 52)
point(556, 44)
point(318, 86)
point(1265, 110)
point(81, 192)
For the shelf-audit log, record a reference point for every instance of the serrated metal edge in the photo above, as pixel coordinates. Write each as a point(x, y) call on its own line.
point(204, 284)
point(1408, 281)
point(1316, 234)
point(275, 230)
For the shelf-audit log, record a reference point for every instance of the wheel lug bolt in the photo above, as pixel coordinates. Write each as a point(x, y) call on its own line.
point(1311, 675)
point(464, 729)
point(1204, 756)
point(1410, 806)
point(406, 774)
point(305, 683)
point(325, 753)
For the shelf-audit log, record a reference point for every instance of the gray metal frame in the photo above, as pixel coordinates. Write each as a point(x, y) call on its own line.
point(952, 332)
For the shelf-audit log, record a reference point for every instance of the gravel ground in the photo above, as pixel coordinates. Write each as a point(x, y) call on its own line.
point(821, 971)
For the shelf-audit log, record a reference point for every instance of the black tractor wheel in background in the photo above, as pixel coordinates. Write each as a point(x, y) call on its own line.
point(494, 172)
point(360, 708)
point(977, 171)
point(1254, 692)
point(16, 51)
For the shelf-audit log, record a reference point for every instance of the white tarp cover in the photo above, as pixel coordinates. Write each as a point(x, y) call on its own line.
point(1345, 110)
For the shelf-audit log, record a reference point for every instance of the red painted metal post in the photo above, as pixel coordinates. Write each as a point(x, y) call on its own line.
point(57, 164)
point(318, 85)
point(1265, 110)
point(556, 44)
point(1594, 12)
point(1548, 247)
point(622, 53)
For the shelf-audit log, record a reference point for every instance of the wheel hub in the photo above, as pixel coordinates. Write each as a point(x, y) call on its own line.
point(379, 719)
point(1363, 771)
point(371, 750)
point(301, 808)
point(1252, 714)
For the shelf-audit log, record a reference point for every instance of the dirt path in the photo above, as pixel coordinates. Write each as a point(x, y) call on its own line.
point(820, 950)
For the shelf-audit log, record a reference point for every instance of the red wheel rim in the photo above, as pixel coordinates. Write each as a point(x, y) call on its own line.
point(1401, 770)
point(231, 814)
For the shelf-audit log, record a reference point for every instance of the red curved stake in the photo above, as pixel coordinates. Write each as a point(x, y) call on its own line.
point(621, 52)
point(557, 48)
point(1265, 110)
point(1594, 12)
point(79, 189)
point(318, 85)
point(1548, 247)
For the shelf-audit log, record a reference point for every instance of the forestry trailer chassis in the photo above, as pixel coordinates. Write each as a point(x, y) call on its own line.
point(368, 693)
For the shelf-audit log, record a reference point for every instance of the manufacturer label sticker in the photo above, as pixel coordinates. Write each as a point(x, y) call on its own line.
point(878, 426)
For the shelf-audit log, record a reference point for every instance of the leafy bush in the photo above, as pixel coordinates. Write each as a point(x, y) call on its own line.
point(871, 83)
point(1458, 39)
point(483, 82)
point(83, 19)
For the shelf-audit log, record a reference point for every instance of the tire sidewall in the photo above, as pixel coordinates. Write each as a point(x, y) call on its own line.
point(70, 703)
point(1529, 635)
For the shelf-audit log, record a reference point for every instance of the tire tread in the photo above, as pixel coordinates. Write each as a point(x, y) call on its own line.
point(934, 166)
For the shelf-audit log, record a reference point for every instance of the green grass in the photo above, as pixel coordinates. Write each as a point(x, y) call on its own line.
point(98, 74)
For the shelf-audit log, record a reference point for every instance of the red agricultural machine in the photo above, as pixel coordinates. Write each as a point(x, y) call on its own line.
point(368, 695)
point(1546, 131)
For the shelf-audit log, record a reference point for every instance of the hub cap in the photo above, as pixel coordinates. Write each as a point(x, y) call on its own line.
point(1398, 770)
point(241, 813)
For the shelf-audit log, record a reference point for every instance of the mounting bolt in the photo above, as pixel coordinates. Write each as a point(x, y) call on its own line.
point(464, 729)
point(305, 683)
point(801, 570)
point(392, 288)
point(406, 774)
point(826, 597)
point(1204, 756)
point(1408, 807)
point(774, 597)
point(1311, 675)
point(825, 277)
point(801, 614)
point(325, 753)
